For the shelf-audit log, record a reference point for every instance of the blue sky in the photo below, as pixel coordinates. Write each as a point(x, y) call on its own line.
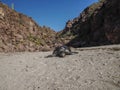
point(51, 13)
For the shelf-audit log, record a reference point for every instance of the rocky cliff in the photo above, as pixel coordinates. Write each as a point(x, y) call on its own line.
point(98, 24)
point(19, 32)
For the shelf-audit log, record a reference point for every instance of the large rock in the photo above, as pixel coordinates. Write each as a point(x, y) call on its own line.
point(98, 24)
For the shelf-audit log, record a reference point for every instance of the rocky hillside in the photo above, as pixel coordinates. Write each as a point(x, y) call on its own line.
point(98, 24)
point(19, 32)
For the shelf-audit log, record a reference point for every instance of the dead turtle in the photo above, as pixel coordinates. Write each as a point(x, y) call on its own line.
point(62, 51)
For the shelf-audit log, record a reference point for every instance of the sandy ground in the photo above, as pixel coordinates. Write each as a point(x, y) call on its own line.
point(95, 68)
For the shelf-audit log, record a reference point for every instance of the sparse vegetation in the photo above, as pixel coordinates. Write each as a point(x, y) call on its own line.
point(102, 1)
point(36, 40)
point(12, 6)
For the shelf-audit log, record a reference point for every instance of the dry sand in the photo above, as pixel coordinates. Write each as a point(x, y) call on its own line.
point(95, 68)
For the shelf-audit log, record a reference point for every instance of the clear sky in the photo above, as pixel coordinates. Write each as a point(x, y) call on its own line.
point(51, 13)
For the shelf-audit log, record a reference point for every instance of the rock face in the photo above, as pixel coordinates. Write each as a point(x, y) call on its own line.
point(19, 32)
point(98, 24)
